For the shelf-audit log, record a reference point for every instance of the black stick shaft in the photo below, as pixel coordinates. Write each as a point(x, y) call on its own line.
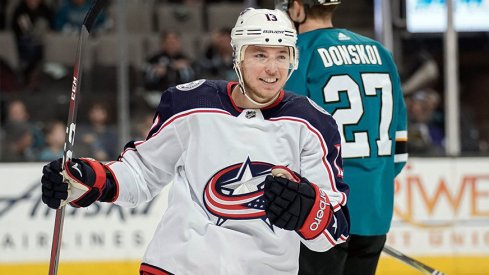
point(411, 262)
point(88, 23)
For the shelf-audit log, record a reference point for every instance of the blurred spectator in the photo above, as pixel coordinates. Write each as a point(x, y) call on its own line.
point(30, 20)
point(426, 134)
point(141, 125)
point(170, 66)
point(9, 81)
point(421, 72)
point(17, 111)
point(217, 62)
point(17, 114)
point(54, 135)
point(420, 68)
point(69, 17)
point(98, 138)
point(17, 146)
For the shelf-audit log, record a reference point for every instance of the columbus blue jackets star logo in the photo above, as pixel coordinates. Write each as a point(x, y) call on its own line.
point(236, 192)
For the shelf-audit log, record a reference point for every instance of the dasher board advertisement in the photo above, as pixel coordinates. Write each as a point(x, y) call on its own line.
point(442, 207)
point(441, 211)
point(102, 231)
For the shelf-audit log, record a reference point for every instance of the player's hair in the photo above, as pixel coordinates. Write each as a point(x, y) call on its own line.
point(316, 9)
point(320, 11)
point(284, 4)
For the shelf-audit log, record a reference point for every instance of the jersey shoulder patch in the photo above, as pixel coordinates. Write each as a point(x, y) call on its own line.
point(190, 85)
point(319, 108)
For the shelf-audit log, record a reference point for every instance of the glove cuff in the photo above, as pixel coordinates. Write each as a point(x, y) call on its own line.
point(104, 181)
point(100, 174)
point(319, 216)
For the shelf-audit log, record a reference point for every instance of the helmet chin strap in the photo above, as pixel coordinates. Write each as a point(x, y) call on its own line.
point(243, 90)
point(258, 103)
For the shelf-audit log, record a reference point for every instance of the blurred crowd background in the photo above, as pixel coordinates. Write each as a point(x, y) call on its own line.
point(173, 42)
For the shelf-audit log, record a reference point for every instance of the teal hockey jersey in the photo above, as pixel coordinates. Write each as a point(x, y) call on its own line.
point(355, 79)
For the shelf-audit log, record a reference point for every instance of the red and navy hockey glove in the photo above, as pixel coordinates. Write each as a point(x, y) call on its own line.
point(294, 203)
point(81, 183)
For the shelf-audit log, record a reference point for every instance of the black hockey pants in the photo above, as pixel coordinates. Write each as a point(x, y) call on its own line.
point(358, 256)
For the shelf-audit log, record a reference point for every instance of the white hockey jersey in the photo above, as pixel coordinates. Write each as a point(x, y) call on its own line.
point(217, 156)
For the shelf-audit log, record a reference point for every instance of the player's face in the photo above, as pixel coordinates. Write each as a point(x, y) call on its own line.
point(265, 71)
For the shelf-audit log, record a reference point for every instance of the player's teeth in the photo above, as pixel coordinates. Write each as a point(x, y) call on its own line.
point(270, 80)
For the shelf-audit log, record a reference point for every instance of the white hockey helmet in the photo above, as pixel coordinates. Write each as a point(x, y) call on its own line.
point(264, 27)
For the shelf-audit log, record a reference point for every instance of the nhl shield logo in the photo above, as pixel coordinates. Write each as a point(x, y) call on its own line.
point(250, 114)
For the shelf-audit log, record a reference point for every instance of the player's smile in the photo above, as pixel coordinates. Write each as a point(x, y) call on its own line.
point(269, 80)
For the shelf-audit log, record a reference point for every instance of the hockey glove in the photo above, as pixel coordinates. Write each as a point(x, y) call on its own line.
point(81, 183)
point(294, 203)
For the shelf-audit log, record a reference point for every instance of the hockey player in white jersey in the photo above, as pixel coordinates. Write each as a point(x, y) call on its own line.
point(219, 141)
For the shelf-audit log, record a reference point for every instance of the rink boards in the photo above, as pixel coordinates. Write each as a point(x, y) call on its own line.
point(441, 217)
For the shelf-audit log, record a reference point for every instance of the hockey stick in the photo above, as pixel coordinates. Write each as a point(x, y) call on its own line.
point(88, 22)
point(410, 261)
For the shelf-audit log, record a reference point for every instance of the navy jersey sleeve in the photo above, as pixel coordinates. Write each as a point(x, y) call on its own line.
point(321, 163)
